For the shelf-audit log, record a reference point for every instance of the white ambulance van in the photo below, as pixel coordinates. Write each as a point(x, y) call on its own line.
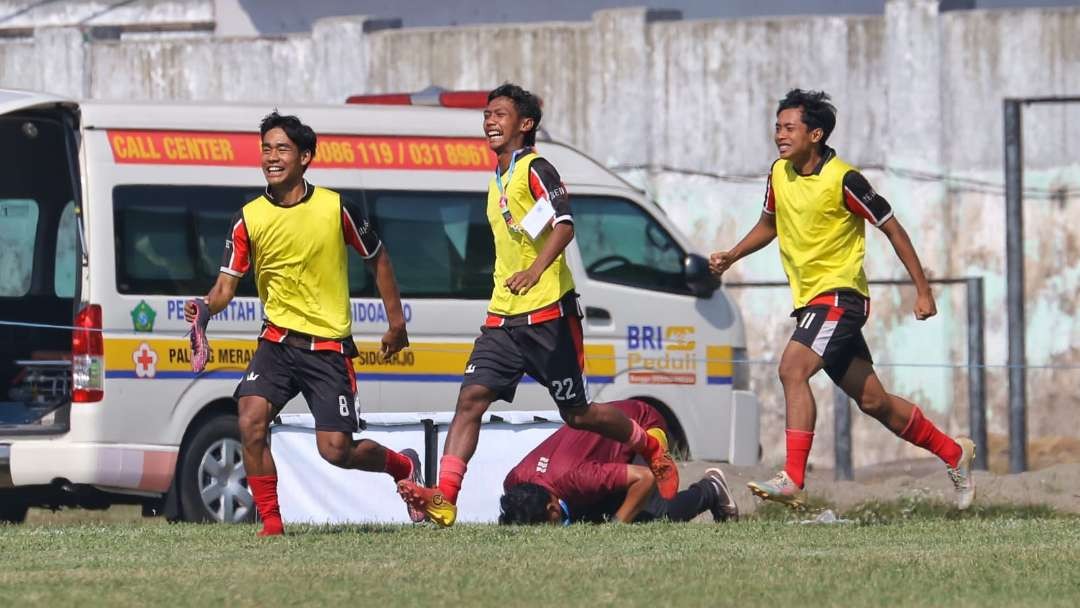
point(112, 214)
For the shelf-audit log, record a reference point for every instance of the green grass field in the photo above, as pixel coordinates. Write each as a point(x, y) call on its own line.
point(902, 554)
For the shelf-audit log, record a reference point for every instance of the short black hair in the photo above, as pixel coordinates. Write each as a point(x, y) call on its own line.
point(524, 504)
point(300, 134)
point(526, 104)
point(817, 112)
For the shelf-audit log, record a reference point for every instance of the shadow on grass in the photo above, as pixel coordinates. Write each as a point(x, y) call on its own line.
point(332, 529)
point(911, 509)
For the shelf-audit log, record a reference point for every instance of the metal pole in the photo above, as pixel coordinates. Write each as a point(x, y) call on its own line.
point(976, 320)
point(431, 452)
point(842, 433)
point(1014, 274)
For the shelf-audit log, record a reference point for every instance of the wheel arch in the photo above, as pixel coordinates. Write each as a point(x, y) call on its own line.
point(213, 409)
point(173, 507)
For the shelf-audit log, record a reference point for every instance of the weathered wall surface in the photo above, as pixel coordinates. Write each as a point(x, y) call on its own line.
point(685, 110)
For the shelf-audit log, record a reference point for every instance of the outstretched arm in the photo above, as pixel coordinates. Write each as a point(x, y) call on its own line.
point(235, 262)
point(861, 199)
point(759, 236)
point(901, 242)
point(362, 237)
point(396, 337)
point(223, 291)
point(640, 482)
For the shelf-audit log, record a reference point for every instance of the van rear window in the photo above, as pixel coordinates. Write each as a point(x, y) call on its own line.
point(18, 229)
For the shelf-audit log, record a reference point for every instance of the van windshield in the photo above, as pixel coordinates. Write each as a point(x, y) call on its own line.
point(621, 243)
point(38, 265)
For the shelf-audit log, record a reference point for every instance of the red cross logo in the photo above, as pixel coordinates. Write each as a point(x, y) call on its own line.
point(145, 361)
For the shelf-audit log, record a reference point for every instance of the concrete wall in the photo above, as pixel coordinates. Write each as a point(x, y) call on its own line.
point(685, 110)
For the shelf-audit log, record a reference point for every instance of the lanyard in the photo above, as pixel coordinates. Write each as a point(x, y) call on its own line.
point(504, 204)
point(566, 512)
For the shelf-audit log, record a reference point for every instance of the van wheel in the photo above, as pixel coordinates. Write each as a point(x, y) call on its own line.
point(13, 511)
point(212, 484)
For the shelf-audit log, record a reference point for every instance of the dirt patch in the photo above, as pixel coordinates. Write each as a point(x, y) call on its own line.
point(1055, 483)
point(1043, 452)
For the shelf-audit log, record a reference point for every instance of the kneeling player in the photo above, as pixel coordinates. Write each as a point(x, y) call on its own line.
point(575, 475)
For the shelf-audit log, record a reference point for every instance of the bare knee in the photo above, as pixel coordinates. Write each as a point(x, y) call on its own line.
point(254, 422)
point(792, 375)
point(577, 418)
point(336, 453)
point(874, 403)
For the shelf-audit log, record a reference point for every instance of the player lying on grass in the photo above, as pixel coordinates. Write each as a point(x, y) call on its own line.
point(578, 476)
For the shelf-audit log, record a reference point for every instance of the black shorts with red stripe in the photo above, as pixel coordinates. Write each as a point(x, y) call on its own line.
point(831, 326)
point(279, 371)
point(552, 352)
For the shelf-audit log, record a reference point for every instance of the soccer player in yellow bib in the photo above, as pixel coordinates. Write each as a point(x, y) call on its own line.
point(295, 236)
point(818, 206)
point(533, 324)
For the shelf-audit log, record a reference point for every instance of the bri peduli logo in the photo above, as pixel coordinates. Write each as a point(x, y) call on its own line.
point(142, 317)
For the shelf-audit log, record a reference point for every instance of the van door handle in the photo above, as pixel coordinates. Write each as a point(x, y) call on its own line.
point(593, 313)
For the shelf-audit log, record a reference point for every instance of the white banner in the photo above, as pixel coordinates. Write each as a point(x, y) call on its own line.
point(311, 490)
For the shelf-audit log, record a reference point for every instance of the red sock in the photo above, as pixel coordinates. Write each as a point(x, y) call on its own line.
point(264, 491)
point(398, 466)
point(924, 434)
point(798, 450)
point(642, 442)
point(451, 472)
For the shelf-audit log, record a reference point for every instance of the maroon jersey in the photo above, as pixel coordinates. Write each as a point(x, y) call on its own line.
point(583, 468)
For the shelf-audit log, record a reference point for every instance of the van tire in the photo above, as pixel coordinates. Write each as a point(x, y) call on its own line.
point(211, 462)
point(13, 511)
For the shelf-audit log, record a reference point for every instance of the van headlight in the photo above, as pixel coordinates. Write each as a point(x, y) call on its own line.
point(740, 369)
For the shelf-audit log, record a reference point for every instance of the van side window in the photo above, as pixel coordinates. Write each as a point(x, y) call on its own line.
point(169, 239)
point(18, 232)
point(440, 242)
point(64, 276)
point(620, 243)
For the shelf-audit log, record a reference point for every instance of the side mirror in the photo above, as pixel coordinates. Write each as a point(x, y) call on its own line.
point(698, 278)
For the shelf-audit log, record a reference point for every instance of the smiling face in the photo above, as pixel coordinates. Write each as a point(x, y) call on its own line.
point(794, 140)
point(504, 127)
point(283, 163)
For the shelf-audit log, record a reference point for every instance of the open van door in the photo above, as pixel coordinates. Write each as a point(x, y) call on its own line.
point(41, 256)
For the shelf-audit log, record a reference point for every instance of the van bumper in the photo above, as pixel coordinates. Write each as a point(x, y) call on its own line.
point(140, 468)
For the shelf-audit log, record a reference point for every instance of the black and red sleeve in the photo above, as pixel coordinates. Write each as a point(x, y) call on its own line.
point(544, 182)
point(357, 230)
point(769, 205)
point(237, 258)
point(861, 199)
